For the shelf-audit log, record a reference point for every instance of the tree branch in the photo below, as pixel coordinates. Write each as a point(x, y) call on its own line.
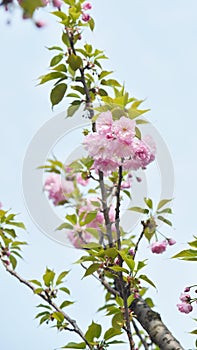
point(152, 323)
point(72, 322)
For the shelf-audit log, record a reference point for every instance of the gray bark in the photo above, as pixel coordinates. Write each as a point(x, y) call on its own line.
point(152, 323)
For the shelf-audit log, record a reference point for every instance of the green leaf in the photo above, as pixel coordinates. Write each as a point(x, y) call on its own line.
point(58, 93)
point(75, 346)
point(139, 210)
point(72, 218)
point(91, 24)
point(65, 225)
point(30, 6)
point(117, 320)
point(88, 218)
point(55, 48)
point(60, 68)
point(65, 290)
point(146, 279)
point(104, 73)
point(129, 260)
point(65, 39)
point(166, 221)
point(149, 302)
point(91, 269)
point(94, 331)
point(117, 268)
point(111, 332)
point(119, 301)
point(163, 202)
point(188, 254)
point(56, 59)
point(13, 261)
point(149, 202)
point(72, 109)
point(17, 224)
point(58, 316)
point(38, 290)
point(61, 277)
point(110, 82)
point(75, 62)
point(66, 303)
point(130, 299)
point(38, 283)
point(48, 277)
point(193, 332)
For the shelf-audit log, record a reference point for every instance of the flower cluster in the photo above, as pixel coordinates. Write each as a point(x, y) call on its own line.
point(160, 247)
point(185, 305)
point(114, 144)
point(186, 301)
point(85, 16)
point(58, 188)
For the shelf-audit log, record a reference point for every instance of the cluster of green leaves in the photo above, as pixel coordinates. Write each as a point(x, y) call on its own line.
point(10, 246)
point(150, 225)
point(50, 287)
point(92, 336)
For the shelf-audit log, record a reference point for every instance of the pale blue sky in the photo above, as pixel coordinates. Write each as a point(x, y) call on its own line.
point(152, 46)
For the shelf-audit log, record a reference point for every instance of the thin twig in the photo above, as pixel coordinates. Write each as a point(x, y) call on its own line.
point(117, 217)
point(146, 347)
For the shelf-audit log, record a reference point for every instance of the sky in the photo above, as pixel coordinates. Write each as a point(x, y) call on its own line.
point(152, 46)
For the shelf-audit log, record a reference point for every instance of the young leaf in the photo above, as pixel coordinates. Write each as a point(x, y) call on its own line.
point(94, 331)
point(61, 277)
point(75, 346)
point(111, 332)
point(139, 210)
point(48, 277)
point(91, 269)
point(146, 279)
point(163, 202)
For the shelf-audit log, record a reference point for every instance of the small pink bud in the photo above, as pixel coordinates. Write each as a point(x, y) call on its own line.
point(8, 254)
point(57, 3)
point(138, 179)
point(116, 261)
point(86, 6)
point(85, 17)
point(6, 262)
point(40, 24)
point(131, 252)
point(185, 297)
point(171, 241)
point(187, 289)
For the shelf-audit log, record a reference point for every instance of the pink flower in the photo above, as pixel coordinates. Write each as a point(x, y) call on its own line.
point(131, 252)
point(171, 241)
point(79, 237)
point(105, 165)
point(57, 3)
point(86, 6)
point(58, 188)
point(158, 247)
point(85, 17)
point(185, 307)
point(124, 129)
point(185, 297)
point(104, 122)
point(81, 181)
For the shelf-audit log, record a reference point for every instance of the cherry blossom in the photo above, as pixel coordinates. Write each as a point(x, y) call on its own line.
point(159, 247)
point(185, 307)
point(58, 188)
